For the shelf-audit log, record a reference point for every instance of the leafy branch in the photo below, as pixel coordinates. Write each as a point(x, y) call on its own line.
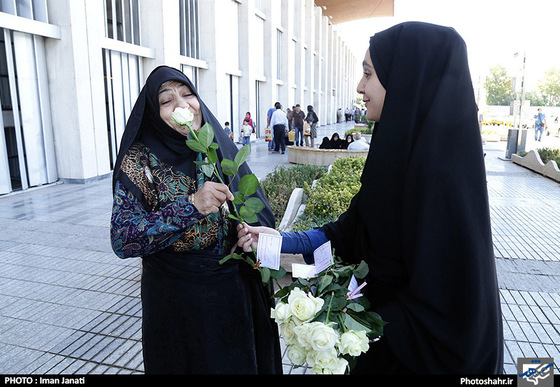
point(249, 206)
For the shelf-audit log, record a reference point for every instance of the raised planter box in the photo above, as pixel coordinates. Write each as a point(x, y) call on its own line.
point(533, 161)
point(322, 157)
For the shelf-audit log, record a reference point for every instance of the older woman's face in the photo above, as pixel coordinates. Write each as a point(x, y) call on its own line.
point(174, 95)
point(372, 90)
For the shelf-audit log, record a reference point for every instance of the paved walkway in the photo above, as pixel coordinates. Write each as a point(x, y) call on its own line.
point(69, 305)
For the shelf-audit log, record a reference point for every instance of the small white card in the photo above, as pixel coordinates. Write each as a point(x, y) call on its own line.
point(323, 257)
point(303, 271)
point(268, 250)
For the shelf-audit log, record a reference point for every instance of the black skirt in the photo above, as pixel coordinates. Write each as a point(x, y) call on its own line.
point(200, 317)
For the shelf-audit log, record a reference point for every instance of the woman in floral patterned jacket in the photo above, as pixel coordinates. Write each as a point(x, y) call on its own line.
point(198, 316)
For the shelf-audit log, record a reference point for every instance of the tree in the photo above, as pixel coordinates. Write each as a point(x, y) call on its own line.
point(549, 87)
point(536, 98)
point(498, 87)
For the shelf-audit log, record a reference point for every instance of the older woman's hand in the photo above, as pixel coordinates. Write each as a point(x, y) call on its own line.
point(210, 197)
point(249, 235)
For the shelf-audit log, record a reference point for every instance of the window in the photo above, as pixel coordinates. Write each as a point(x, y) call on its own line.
point(122, 20)
point(189, 28)
point(29, 9)
point(122, 74)
point(27, 157)
point(278, 54)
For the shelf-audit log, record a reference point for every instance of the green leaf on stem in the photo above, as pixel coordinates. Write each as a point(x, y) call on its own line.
point(196, 146)
point(255, 204)
point(242, 155)
point(238, 198)
point(246, 212)
point(208, 170)
point(278, 274)
point(206, 136)
point(212, 156)
point(251, 219)
point(265, 274)
point(248, 185)
point(228, 167)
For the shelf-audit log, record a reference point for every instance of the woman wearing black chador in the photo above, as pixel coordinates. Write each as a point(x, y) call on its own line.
point(421, 218)
point(198, 317)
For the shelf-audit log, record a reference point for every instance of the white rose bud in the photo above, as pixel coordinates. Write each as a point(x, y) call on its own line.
point(182, 116)
point(353, 343)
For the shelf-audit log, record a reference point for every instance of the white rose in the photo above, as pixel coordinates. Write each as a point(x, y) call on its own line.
point(322, 337)
point(288, 333)
point(182, 116)
point(302, 335)
point(353, 343)
point(323, 361)
point(302, 306)
point(296, 354)
point(337, 368)
point(281, 313)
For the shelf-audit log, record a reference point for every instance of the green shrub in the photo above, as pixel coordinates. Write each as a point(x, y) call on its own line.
point(356, 130)
point(334, 191)
point(548, 154)
point(279, 184)
point(309, 221)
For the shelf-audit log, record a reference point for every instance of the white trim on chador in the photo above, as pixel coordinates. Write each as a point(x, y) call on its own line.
point(21, 24)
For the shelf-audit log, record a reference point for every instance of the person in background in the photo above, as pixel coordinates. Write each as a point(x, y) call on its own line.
point(246, 131)
point(269, 113)
point(540, 124)
point(228, 131)
point(326, 144)
point(298, 116)
point(312, 120)
point(279, 124)
point(359, 143)
point(336, 142)
point(348, 141)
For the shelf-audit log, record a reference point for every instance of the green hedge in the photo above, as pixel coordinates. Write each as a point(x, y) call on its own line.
point(546, 155)
point(332, 194)
point(279, 184)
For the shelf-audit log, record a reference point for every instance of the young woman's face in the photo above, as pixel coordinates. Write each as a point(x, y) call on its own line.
point(372, 90)
point(174, 95)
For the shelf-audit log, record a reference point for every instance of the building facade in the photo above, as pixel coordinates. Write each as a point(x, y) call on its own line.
point(70, 72)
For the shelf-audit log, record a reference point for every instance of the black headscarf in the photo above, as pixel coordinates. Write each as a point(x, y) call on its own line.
point(145, 124)
point(421, 218)
point(326, 144)
point(335, 144)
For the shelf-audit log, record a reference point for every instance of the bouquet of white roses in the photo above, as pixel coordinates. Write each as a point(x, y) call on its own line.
point(325, 321)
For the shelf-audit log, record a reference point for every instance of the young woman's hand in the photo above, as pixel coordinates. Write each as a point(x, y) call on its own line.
point(210, 197)
point(249, 236)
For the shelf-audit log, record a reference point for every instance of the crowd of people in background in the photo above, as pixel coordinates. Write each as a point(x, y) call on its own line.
point(351, 142)
point(299, 128)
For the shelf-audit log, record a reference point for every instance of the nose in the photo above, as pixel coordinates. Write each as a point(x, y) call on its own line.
point(361, 87)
